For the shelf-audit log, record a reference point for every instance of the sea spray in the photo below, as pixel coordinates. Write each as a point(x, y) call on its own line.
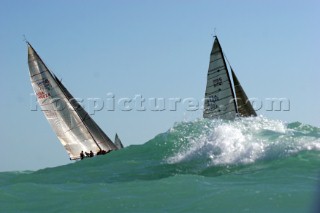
point(242, 141)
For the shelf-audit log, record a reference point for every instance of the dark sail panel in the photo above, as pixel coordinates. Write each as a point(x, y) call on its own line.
point(244, 106)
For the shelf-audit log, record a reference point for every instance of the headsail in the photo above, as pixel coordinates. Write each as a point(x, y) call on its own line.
point(117, 142)
point(245, 108)
point(74, 127)
point(219, 95)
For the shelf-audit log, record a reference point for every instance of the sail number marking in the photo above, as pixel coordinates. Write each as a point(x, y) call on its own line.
point(44, 84)
point(217, 82)
point(212, 101)
point(42, 95)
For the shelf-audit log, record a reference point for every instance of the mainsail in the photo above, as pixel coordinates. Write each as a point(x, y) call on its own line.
point(117, 142)
point(220, 99)
point(219, 96)
point(72, 124)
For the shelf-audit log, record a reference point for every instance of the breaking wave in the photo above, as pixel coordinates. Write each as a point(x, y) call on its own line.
point(243, 141)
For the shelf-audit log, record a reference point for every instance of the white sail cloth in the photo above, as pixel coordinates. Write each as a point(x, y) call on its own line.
point(74, 127)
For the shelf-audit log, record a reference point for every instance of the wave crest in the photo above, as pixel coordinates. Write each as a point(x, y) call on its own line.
point(242, 141)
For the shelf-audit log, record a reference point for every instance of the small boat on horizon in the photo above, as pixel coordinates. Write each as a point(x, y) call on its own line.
point(224, 99)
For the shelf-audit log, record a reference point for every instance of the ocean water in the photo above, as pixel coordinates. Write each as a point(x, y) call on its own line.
point(246, 165)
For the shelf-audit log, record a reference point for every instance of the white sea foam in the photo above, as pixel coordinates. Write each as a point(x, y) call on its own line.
point(242, 141)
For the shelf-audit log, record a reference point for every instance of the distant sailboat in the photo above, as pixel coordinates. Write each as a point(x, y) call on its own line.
point(117, 142)
point(72, 124)
point(224, 99)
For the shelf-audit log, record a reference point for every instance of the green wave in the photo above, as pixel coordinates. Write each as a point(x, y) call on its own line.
point(202, 147)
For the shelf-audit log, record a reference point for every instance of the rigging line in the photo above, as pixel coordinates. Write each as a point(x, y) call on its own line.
point(25, 39)
point(214, 33)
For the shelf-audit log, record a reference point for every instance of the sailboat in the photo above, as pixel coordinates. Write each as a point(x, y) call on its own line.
point(224, 99)
point(75, 129)
point(118, 142)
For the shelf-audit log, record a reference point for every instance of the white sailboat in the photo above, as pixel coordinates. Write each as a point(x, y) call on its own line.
point(72, 124)
point(118, 142)
point(224, 99)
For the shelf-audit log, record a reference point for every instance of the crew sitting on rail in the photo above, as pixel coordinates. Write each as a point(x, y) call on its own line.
point(81, 155)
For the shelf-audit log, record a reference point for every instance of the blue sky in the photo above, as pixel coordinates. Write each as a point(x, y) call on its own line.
point(154, 49)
